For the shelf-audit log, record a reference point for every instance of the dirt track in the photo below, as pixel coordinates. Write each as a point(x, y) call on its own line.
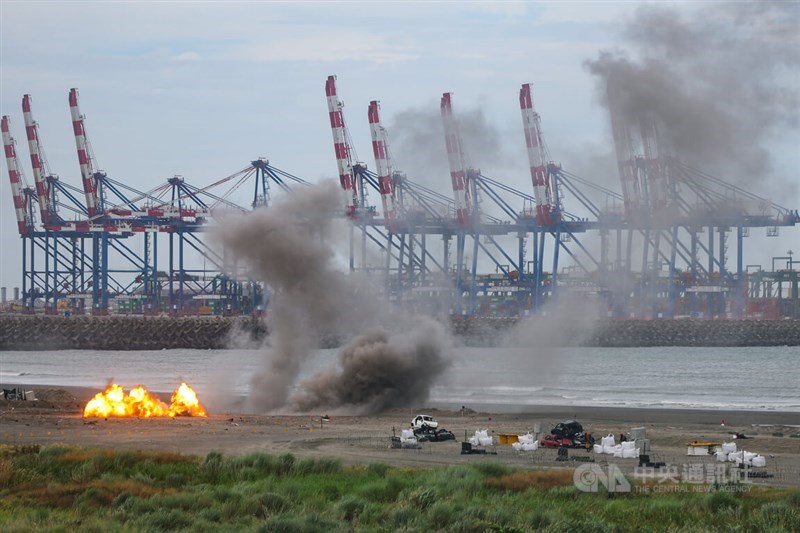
point(362, 439)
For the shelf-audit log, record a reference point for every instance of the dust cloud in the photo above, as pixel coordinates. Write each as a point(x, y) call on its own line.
point(378, 371)
point(291, 246)
point(546, 339)
point(721, 84)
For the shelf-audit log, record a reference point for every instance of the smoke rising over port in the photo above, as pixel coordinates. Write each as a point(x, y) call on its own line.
point(291, 246)
point(721, 87)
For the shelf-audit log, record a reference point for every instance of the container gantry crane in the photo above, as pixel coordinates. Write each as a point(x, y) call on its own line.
point(21, 193)
point(465, 194)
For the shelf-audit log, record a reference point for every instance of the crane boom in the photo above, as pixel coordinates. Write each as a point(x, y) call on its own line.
point(455, 158)
point(542, 191)
point(24, 224)
point(654, 163)
point(626, 164)
point(38, 161)
point(85, 161)
point(383, 165)
point(340, 146)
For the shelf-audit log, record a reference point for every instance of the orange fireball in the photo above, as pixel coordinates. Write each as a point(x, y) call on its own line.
point(184, 402)
point(140, 402)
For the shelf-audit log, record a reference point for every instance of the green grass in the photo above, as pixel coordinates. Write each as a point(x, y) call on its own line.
point(60, 488)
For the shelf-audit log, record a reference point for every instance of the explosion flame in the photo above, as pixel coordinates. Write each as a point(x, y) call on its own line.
point(141, 403)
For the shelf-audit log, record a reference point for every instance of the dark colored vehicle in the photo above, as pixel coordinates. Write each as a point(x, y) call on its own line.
point(433, 435)
point(569, 434)
point(567, 429)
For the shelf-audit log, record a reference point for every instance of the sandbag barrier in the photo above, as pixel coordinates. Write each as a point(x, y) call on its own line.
point(25, 332)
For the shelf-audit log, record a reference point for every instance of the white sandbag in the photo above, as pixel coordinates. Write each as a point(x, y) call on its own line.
point(748, 456)
point(630, 453)
point(408, 440)
point(728, 447)
point(721, 457)
point(608, 440)
point(598, 448)
point(618, 453)
point(407, 434)
point(611, 450)
point(628, 445)
point(481, 437)
point(525, 446)
point(735, 457)
point(526, 439)
point(759, 461)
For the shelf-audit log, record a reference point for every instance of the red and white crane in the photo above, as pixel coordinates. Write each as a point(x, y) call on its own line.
point(38, 162)
point(84, 156)
point(546, 204)
point(341, 147)
point(383, 165)
point(455, 157)
point(24, 224)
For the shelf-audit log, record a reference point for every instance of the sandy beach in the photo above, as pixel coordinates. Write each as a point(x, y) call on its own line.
point(56, 417)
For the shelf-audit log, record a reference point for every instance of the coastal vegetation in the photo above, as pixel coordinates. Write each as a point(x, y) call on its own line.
point(61, 488)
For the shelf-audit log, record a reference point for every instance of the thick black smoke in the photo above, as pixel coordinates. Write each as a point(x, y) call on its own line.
point(722, 84)
point(290, 246)
point(379, 371)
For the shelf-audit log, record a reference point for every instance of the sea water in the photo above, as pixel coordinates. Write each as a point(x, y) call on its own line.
point(754, 378)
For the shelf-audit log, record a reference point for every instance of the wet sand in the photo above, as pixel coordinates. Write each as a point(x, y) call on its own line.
point(56, 417)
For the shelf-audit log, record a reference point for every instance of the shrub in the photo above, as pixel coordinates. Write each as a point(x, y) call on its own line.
point(386, 490)
point(422, 498)
point(377, 469)
point(441, 514)
point(718, 500)
point(351, 506)
point(282, 524)
point(776, 516)
point(212, 466)
point(166, 520)
point(539, 519)
point(540, 479)
point(794, 498)
point(404, 516)
point(274, 502)
point(491, 469)
point(286, 462)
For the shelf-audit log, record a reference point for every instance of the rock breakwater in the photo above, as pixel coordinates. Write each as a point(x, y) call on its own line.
point(155, 333)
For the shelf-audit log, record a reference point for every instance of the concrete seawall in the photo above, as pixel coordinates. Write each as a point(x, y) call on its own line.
point(155, 333)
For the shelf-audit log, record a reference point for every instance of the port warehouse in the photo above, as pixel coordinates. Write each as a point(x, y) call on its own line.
point(657, 249)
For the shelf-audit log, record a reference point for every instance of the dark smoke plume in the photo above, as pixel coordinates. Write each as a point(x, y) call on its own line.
point(378, 371)
point(290, 246)
point(721, 84)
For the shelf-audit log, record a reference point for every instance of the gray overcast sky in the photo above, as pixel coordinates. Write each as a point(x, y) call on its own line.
point(201, 88)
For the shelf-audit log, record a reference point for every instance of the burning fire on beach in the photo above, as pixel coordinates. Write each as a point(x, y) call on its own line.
point(140, 402)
